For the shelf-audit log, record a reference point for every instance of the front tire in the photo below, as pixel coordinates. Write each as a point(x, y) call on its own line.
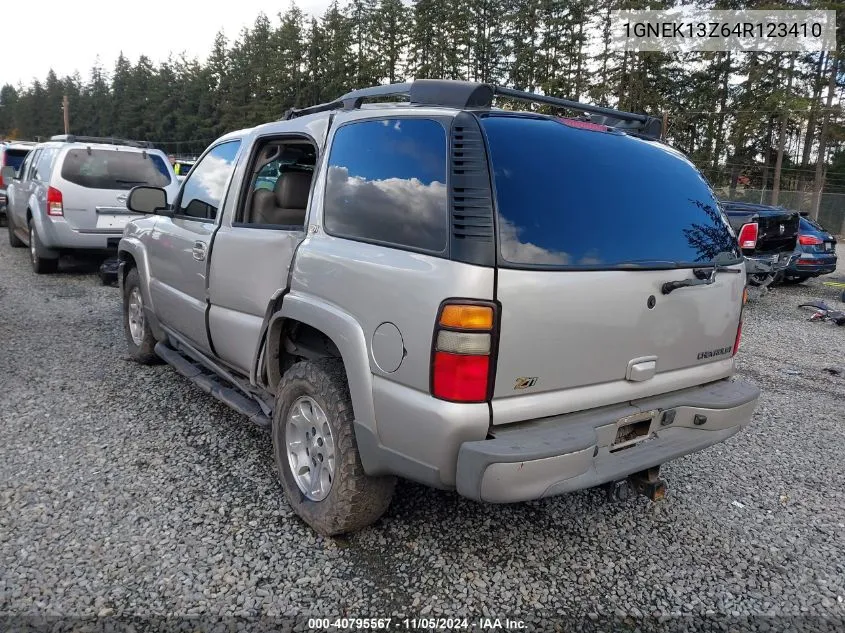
point(317, 455)
point(140, 341)
point(40, 265)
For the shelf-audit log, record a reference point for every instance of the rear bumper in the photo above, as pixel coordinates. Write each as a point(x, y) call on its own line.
point(551, 456)
point(821, 264)
point(57, 234)
point(770, 262)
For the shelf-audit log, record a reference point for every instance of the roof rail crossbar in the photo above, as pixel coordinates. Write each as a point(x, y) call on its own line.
point(73, 138)
point(644, 124)
point(472, 95)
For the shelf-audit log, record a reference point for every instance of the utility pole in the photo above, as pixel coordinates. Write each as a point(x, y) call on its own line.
point(66, 111)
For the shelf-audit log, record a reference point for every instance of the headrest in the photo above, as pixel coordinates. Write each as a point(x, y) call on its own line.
point(292, 189)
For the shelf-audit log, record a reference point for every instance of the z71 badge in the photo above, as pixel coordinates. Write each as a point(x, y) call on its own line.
point(524, 383)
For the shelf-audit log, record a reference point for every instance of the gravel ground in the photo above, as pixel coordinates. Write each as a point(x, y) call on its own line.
point(126, 491)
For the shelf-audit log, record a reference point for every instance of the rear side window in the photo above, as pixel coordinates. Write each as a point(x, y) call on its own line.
point(114, 169)
point(387, 183)
point(14, 158)
point(43, 168)
point(569, 197)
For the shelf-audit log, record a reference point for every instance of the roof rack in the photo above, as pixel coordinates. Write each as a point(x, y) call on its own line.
point(472, 95)
point(72, 138)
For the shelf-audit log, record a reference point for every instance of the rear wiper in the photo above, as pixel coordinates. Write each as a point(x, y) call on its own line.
point(704, 277)
point(130, 182)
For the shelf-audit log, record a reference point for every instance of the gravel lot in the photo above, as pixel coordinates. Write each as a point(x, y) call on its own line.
point(126, 491)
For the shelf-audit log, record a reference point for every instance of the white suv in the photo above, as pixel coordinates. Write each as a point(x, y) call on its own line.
point(70, 194)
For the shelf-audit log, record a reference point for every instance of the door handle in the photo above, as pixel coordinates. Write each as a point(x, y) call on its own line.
point(199, 250)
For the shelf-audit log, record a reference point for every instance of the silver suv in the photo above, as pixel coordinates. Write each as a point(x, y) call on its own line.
point(12, 155)
point(509, 304)
point(70, 194)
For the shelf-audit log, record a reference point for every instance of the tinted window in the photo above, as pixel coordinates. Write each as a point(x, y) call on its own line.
point(203, 192)
point(387, 183)
point(29, 164)
point(43, 167)
point(575, 197)
point(14, 158)
point(114, 169)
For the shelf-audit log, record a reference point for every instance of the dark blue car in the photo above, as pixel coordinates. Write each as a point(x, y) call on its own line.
point(816, 253)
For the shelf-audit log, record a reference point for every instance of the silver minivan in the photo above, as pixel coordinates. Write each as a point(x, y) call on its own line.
point(70, 194)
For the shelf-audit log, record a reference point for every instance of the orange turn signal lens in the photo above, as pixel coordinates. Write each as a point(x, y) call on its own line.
point(467, 317)
point(744, 296)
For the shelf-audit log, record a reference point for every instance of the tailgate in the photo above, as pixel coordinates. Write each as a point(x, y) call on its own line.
point(777, 233)
point(591, 225)
point(566, 330)
point(95, 184)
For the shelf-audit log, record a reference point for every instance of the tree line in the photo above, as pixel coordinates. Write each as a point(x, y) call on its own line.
point(758, 120)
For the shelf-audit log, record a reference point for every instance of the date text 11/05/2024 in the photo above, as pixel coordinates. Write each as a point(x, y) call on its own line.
point(417, 624)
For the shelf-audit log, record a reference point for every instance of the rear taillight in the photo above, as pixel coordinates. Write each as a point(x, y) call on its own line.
point(809, 240)
point(54, 202)
point(748, 235)
point(807, 262)
point(739, 327)
point(462, 355)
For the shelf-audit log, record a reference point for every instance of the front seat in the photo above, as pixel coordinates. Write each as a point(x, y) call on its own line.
point(286, 204)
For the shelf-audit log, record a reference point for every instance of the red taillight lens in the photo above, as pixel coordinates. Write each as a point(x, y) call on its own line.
point(584, 125)
point(460, 378)
point(738, 338)
point(809, 240)
point(461, 361)
point(807, 262)
point(748, 235)
point(54, 202)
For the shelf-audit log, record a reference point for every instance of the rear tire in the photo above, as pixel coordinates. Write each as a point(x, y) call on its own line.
point(313, 409)
point(140, 341)
point(40, 265)
point(14, 240)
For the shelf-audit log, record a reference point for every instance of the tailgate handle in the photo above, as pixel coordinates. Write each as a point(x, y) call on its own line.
point(199, 250)
point(640, 369)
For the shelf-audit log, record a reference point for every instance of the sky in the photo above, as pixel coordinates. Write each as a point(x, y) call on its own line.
point(68, 35)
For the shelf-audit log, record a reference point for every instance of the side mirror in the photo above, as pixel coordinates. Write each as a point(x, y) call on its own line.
point(147, 200)
point(9, 174)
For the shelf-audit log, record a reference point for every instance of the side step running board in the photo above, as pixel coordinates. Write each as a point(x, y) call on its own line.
point(209, 383)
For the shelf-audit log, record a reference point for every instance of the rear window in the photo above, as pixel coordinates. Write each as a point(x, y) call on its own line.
point(570, 197)
point(14, 158)
point(113, 169)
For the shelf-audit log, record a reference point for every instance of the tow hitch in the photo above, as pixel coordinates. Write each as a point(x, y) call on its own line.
point(645, 482)
point(649, 483)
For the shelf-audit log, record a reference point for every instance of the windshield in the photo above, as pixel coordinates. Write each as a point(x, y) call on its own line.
point(114, 169)
point(14, 158)
point(570, 197)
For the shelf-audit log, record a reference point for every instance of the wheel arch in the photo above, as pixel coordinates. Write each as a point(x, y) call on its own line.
point(344, 338)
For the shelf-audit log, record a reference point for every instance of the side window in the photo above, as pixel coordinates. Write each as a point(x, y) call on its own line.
point(26, 169)
point(280, 176)
point(387, 183)
point(202, 193)
point(43, 165)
